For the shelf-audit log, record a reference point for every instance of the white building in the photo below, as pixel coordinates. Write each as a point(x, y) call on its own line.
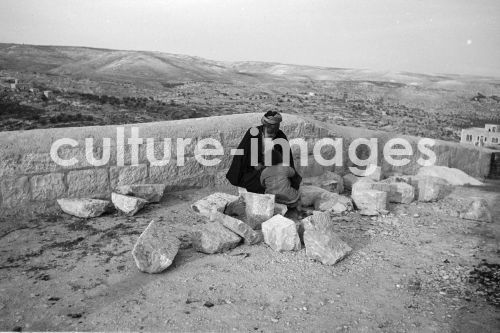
point(489, 136)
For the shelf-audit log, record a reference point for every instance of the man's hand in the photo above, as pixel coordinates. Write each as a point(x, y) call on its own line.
point(259, 167)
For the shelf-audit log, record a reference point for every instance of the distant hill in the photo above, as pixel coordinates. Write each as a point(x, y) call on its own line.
point(143, 66)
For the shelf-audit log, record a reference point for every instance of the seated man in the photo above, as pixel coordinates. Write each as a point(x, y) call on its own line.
point(241, 172)
point(276, 180)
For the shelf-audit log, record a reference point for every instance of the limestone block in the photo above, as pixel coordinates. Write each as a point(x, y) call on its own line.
point(477, 210)
point(237, 226)
point(280, 209)
point(149, 192)
point(128, 175)
point(372, 201)
point(89, 182)
point(83, 207)
point(47, 187)
point(450, 175)
point(281, 234)
point(328, 180)
point(321, 242)
point(155, 248)
point(214, 202)
point(323, 200)
point(127, 204)
point(398, 192)
point(258, 208)
point(213, 237)
point(401, 193)
point(309, 194)
point(431, 188)
point(333, 202)
point(325, 246)
point(14, 192)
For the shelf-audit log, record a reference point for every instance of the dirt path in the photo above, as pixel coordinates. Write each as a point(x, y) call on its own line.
point(409, 271)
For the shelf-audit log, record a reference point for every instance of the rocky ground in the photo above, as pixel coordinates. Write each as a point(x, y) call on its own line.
point(419, 268)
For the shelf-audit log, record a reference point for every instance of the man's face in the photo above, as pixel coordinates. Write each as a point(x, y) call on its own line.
point(271, 129)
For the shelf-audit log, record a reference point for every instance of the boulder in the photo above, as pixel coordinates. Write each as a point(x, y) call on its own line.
point(324, 200)
point(426, 188)
point(401, 193)
point(213, 237)
point(214, 202)
point(127, 204)
point(328, 181)
point(478, 210)
point(258, 208)
point(155, 249)
point(281, 234)
point(333, 202)
point(450, 175)
point(309, 194)
point(370, 202)
point(238, 227)
point(321, 242)
point(149, 192)
point(398, 192)
point(83, 207)
point(430, 188)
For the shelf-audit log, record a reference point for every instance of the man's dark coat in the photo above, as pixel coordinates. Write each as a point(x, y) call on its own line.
point(242, 174)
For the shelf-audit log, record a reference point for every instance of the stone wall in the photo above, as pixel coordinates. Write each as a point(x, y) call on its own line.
point(30, 180)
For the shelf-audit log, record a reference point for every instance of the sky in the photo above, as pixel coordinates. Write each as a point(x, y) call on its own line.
point(424, 36)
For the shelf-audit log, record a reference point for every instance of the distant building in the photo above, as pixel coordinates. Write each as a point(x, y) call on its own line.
point(47, 94)
point(489, 136)
point(13, 86)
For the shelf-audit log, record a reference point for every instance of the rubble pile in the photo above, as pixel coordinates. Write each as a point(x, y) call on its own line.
point(252, 218)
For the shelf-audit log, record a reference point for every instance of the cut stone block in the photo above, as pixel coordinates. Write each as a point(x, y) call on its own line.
point(325, 246)
point(333, 202)
point(90, 182)
point(155, 249)
point(149, 192)
point(281, 234)
point(85, 208)
point(328, 181)
point(214, 202)
point(430, 188)
point(372, 201)
point(323, 200)
point(321, 242)
point(478, 210)
point(309, 194)
point(213, 237)
point(127, 204)
point(47, 187)
point(398, 192)
point(258, 208)
point(280, 209)
point(401, 193)
point(238, 227)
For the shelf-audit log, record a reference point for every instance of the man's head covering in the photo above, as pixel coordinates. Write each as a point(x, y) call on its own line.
point(271, 118)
